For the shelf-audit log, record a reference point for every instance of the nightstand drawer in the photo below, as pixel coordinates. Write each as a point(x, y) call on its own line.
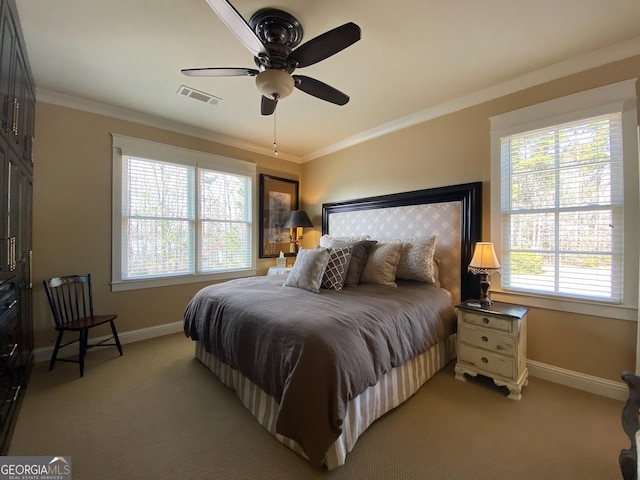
point(487, 361)
point(487, 321)
point(487, 339)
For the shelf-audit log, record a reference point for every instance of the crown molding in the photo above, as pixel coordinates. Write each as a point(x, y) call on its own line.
point(55, 98)
point(577, 64)
point(571, 66)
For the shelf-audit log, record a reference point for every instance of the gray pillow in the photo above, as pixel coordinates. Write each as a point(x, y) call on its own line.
point(382, 264)
point(359, 256)
point(308, 269)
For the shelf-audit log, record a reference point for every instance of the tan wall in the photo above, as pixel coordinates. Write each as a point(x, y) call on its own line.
point(72, 209)
point(72, 213)
point(455, 149)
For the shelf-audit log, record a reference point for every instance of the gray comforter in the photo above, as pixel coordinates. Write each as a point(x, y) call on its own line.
point(315, 352)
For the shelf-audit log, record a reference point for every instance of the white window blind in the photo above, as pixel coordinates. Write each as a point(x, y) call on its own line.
point(158, 218)
point(180, 215)
point(562, 209)
point(225, 215)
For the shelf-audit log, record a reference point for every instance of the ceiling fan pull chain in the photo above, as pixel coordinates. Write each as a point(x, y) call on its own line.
point(275, 138)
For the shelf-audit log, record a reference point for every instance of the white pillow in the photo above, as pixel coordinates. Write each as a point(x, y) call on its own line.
point(325, 240)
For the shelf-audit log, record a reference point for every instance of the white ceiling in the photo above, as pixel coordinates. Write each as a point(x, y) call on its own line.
point(416, 58)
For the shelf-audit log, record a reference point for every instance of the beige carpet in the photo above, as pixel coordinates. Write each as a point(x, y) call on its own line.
point(157, 413)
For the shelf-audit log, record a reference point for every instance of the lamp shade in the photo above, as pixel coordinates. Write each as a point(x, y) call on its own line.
point(274, 84)
point(484, 259)
point(298, 218)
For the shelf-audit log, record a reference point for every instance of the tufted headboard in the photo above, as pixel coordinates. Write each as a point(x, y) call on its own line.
point(453, 214)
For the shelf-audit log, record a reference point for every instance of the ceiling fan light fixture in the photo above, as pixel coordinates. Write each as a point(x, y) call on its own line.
point(275, 84)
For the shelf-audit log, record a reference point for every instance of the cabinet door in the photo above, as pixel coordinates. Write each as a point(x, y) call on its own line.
point(17, 94)
point(27, 121)
point(16, 251)
point(13, 204)
point(23, 273)
point(9, 235)
point(5, 242)
point(18, 89)
point(7, 55)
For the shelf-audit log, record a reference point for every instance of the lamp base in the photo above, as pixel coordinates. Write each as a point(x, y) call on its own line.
point(294, 241)
point(484, 290)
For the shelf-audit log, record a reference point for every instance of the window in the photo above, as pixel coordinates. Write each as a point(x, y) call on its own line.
point(562, 214)
point(179, 216)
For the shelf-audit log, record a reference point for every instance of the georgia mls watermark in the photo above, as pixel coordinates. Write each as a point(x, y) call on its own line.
point(35, 468)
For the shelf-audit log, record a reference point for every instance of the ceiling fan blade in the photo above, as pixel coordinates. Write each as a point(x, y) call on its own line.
point(232, 19)
point(325, 45)
point(220, 72)
point(268, 106)
point(320, 90)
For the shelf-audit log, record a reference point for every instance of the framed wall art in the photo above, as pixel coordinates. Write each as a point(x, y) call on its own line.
point(278, 198)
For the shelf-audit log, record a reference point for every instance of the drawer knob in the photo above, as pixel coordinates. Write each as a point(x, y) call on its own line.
point(485, 360)
point(484, 339)
point(485, 320)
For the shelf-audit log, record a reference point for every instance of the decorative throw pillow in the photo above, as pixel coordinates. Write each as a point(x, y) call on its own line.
point(327, 239)
point(416, 261)
point(436, 271)
point(336, 271)
point(358, 260)
point(382, 264)
point(308, 269)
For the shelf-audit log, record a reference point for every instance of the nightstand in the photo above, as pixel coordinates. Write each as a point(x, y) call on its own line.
point(492, 341)
point(278, 270)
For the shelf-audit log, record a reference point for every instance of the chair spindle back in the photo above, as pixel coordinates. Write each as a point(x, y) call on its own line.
point(70, 297)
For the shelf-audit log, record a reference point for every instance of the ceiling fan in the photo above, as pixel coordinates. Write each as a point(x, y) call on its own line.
point(272, 36)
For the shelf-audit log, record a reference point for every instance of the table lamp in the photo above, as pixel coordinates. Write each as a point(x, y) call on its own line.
point(484, 263)
point(297, 221)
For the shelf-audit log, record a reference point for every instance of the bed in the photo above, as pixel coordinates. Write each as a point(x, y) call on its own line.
point(317, 366)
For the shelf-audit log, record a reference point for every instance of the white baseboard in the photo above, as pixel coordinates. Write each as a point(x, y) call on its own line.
point(44, 354)
point(580, 381)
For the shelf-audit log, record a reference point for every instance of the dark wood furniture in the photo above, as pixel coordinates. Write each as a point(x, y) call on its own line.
point(17, 116)
point(71, 302)
point(629, 456)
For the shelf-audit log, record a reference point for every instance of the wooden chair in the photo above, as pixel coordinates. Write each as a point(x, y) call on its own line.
point(629, 456)
point(71, 301)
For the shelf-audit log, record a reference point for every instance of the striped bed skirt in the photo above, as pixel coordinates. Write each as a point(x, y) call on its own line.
point(394, 387)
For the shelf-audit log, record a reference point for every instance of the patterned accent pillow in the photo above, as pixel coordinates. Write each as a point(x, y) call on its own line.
point(382, 264)
point(358, 256)
point(417, 261)
point(336, 271)
point(308, 269)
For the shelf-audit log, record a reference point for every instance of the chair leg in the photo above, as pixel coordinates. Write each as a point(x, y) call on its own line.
point(54, 355)
point(115, 337)
point(83, 349)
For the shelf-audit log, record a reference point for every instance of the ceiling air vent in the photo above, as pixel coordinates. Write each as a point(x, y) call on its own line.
point(198, 95)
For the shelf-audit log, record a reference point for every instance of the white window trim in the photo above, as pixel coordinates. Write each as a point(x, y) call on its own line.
point(122, 145)
point(620, 96)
